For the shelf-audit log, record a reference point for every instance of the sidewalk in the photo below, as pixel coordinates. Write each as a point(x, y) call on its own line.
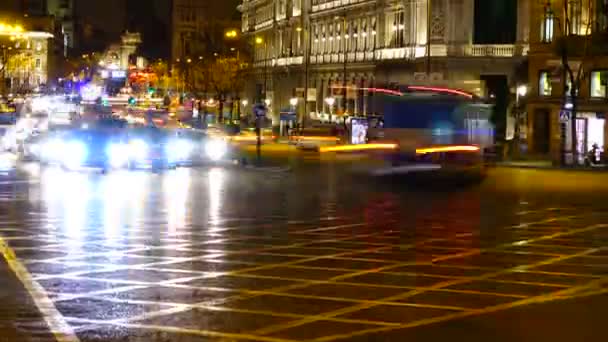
point(20, 320)
point(546, 165)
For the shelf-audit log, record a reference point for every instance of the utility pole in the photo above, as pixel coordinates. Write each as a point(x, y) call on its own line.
point(428, 40)
point(344, 100)
point(307, 51)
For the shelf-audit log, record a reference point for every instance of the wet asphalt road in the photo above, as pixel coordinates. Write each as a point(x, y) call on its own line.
point(219, 254)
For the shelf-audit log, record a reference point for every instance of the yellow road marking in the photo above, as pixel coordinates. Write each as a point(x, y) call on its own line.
point(58, 326)
point(558, 295)
point(230, 309)
point(359, 307)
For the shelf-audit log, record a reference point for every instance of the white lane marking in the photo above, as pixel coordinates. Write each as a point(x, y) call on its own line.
point(59, 327)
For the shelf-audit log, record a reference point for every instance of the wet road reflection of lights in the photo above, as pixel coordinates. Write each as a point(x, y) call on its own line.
point(67, 196)
point(122, 198)
point(176, 188)
point(216, 187)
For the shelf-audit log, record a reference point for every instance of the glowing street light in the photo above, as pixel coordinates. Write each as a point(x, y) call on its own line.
point(244, 103)
point(10, 29)
point(330, 102)
point(259, 40)
point(231, 34)
point(293, 101)
point(267, 102)
point(522, 90)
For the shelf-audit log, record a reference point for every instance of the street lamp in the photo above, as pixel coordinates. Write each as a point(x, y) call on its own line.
point(293, 102)
point(522, 90)
point(330, 102)
point(244, 103)
point(267, 102)
point(260, 41)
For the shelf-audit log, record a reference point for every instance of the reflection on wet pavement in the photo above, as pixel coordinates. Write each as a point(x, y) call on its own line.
point(226, 254)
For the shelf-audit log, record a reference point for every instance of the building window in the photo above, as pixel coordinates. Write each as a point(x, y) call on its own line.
point(575, 14)
point(397, 30)
point(373, 34)
point(38, 63)
point(547, 26)
point(599, 80)
point(544, 84)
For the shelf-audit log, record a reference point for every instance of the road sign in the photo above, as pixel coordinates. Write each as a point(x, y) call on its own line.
point(564, 115)
point(259, 110)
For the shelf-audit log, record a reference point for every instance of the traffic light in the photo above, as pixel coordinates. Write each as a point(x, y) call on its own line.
point(132, 101)
point(151, 90)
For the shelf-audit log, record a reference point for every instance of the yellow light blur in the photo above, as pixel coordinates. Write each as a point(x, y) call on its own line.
point(259, 40)
point(315, 138)
point(8, 29)
point(231, 34)
point(353, 148)
point(439, 149)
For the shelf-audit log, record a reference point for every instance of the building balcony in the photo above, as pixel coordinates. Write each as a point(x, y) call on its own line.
point(281, 61)
point(336, 4)
point(497, 51)
point(409, 53)
point(263, 24)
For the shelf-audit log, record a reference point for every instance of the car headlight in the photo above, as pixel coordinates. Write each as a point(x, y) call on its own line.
point(35, 149)
point(179, 149)
point(138, 149)
point(73, 155)
point(118, 155)
point(51, 150)
point(216, 149)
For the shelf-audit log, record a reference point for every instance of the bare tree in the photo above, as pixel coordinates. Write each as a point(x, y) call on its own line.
point(573, 47)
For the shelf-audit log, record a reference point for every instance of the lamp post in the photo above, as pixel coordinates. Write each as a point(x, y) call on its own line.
point(244, 103)
point(293, 102)
point(520, 92)
point(261, 41)
point(330, 102)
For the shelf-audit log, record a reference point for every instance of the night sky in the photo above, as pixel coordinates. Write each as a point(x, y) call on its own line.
point(102, 22)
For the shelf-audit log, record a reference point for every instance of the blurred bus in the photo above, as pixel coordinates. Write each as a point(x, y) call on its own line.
point(433, 129)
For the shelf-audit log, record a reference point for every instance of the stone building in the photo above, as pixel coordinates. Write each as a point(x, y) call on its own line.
point(378, 43)
point(549, 104)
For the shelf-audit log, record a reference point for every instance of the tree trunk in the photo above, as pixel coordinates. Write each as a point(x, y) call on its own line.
point(220, 112)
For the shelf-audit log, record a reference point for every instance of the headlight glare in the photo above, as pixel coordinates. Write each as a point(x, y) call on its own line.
point(179, 149)
point(138, 149)
point(74, 154)
point(216, 149)
point(118, 155)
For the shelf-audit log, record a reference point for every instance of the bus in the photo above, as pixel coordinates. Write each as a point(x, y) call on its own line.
point(433, 129)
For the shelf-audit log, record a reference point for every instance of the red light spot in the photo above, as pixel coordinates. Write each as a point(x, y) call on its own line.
point(442, 90)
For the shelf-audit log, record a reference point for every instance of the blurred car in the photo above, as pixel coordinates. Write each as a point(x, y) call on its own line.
point(158, 148)
point(83, 148)
point(205, 149)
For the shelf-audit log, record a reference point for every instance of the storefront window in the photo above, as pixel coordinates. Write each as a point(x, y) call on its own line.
point(599, 80)
point(544, 84)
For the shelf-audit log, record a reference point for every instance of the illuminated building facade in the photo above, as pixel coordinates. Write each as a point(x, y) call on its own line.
point(549, 128)
point(359, 44)
point(24, 58)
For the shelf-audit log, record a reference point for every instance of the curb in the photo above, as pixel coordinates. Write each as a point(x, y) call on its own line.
point(550, 167)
